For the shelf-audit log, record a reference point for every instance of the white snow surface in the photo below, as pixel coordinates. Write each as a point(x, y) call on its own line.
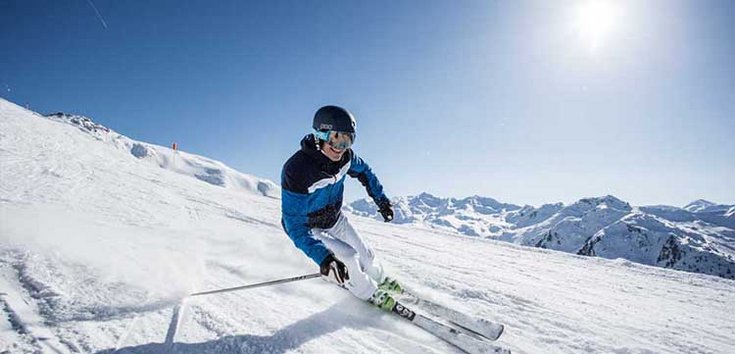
point(98, 249)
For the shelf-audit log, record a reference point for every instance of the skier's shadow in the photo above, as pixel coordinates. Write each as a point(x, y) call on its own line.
point(336, 317)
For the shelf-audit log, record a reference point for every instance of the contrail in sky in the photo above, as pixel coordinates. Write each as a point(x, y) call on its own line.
point(102, 20)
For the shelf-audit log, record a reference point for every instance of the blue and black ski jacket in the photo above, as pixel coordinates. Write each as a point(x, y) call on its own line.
point(311, 193)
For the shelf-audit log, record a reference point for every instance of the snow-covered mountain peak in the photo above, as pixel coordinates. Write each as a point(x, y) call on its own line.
point(604, 202)
point(699, 205)
point(428, 200)
point(483, 205)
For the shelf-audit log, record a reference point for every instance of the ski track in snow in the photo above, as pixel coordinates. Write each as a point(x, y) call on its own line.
point(103, 247)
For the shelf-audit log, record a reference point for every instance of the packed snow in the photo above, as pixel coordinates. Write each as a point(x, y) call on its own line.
point(100, 244)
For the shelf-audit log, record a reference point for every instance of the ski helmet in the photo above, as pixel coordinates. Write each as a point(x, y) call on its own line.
point(333, 118)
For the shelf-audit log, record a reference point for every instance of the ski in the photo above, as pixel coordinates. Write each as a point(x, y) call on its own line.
point(447, 333)
point(474, 326)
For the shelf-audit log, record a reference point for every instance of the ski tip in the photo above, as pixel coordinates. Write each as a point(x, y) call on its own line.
point(500, 332)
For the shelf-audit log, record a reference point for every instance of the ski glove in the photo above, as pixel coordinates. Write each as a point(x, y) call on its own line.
point(386, 210)
point(333, 270)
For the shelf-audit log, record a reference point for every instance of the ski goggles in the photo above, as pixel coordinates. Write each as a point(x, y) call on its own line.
point(335, 139)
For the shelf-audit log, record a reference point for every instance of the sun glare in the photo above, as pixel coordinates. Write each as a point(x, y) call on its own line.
point(595, 20)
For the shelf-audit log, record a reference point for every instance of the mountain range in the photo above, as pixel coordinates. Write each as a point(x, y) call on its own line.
point(699, 237)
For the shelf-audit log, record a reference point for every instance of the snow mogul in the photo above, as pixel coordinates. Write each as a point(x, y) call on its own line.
point(312, 184)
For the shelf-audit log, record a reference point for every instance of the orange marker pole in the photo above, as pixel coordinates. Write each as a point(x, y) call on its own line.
point(174, 156)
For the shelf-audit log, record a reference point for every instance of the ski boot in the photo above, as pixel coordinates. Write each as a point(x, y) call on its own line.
point(391, 285)
point(383, 300)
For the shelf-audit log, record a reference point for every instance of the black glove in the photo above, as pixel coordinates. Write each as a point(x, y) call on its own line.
point(385, 209)
point(334, 270)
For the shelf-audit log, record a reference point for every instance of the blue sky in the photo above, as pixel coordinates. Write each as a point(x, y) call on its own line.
point(523, 101)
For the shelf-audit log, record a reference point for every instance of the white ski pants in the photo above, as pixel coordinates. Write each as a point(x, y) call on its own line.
point(347, 245)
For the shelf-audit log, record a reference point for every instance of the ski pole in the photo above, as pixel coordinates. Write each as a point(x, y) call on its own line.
point(258, 285)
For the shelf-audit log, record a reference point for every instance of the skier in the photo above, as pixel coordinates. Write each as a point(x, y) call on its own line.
point(312, 184)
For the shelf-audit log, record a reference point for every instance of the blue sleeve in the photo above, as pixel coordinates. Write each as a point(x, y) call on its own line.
point(359, 169)
point(294, 209)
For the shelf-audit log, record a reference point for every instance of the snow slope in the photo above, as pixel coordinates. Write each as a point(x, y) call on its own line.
point(697, 238)
point(99, 247)
point(204, 169)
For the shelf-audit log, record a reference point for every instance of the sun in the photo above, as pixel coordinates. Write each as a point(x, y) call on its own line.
point(595, 20)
